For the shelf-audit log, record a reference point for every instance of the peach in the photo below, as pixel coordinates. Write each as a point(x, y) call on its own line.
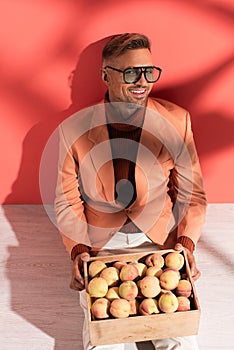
point(141, 268)
point(139, 296)
point(100, 308)
point(168, 302)
point(120, 308)
point(148, 306)
point(169, 279)
point(128, 290)
point(155, 259)
point(149, 286)
point(112, 293)
point(111, 275)
point(134, 306)
point(95, 267)
point(154, 271)
point(175, 260)
point(128, 272)
point(183, 303)
point(119, 264)
point(97, 287)
point(184, 288)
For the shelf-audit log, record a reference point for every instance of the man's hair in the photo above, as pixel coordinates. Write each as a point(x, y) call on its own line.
point(120, 43)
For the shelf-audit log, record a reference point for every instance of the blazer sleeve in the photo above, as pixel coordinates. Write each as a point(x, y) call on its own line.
point(189, 195)
point(69, 206)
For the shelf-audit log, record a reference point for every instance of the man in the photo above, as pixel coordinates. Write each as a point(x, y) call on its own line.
point(129, 175)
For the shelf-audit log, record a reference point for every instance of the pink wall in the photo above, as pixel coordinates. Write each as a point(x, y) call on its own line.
point(42, 42)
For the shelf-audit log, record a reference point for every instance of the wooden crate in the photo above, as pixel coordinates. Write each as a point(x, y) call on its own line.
point(143, 328)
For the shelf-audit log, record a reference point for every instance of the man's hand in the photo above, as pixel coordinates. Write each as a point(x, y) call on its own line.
point(77, 280)
point(191, 260)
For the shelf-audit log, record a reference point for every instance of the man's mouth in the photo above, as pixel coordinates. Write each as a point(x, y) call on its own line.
point(138, 92)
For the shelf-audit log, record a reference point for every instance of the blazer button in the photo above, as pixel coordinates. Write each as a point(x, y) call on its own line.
point(112, 233)
point(128, 211)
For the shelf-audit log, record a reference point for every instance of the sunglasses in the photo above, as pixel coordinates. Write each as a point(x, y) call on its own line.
point(132, 74)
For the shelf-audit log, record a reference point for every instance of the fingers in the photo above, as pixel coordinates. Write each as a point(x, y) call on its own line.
point(77, 275)
point(195, 273)
point(75, 285)
point(193, 267)
point(77, 280)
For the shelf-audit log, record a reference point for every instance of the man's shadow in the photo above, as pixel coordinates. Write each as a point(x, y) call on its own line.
point(40, 291)
point(86, 89)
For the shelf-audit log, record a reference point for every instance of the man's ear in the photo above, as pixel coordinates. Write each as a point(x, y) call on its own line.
point(104, 76)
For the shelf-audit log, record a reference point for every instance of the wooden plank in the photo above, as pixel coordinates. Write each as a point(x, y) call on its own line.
point(142, 328)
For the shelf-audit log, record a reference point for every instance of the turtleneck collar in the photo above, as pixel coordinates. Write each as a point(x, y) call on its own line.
point(115, 115)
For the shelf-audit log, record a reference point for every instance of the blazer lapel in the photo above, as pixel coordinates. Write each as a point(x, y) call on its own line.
point(100, 153)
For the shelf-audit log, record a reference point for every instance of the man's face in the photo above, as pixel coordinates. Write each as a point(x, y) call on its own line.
point(119, 91)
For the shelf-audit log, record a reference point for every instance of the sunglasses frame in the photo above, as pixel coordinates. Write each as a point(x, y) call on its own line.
point(143, 70)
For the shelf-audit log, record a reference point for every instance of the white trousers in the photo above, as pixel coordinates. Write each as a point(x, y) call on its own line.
point(131, 243)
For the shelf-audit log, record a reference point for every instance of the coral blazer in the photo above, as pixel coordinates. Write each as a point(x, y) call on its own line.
point(170, 198)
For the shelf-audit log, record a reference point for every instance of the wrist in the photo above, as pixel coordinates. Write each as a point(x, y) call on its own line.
point(186, 243)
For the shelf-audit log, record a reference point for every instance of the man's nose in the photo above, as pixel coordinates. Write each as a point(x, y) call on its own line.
point(142, 80)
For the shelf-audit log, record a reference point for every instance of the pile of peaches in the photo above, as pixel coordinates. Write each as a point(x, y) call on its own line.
point(154, 284)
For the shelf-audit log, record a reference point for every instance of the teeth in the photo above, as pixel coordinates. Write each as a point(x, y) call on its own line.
point(138, 91)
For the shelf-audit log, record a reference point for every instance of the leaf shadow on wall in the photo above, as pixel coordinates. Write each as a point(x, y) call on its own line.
point(86, 89)
point(213, 128)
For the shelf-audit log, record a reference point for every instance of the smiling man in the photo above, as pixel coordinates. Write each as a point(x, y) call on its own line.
point(129, 176)
point(133, 68)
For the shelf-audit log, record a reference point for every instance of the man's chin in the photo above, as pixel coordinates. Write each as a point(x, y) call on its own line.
point(138, 101)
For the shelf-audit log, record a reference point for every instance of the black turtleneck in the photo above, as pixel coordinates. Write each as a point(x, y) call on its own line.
point(124, 155)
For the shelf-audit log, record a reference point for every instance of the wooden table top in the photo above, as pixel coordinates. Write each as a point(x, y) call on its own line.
point(39, 311)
